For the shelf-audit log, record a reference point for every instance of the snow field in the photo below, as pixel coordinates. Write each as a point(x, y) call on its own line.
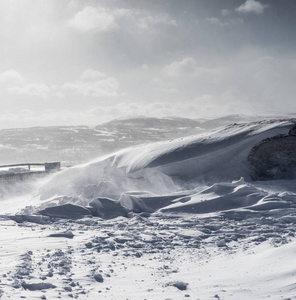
point(167, 220)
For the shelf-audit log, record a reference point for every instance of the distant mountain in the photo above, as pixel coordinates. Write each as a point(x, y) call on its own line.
point(78, 144)
point(142, 130)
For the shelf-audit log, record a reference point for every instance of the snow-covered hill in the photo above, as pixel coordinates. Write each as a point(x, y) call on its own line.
point(78, 144)
point(195, 166)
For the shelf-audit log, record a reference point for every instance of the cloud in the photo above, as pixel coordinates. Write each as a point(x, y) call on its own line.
point(103, 19)
point(216, 21)
point(252, 6)
point(11, 77)
point(32, 117)
point(93, 19)
point(252, 82)
point(93, 84)
point(14, 83)
point(163, 85)
point(230, 22)
point(92, 75)
point(189, 79)
point(225, 12)
point(32, 89)
point(271, 80)
point(186, 66)
point(162, 19)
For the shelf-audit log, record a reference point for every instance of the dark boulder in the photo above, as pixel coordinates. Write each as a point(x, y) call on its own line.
point(293, 131)
point(67, 211)
point(106, 208)
point(274, 158)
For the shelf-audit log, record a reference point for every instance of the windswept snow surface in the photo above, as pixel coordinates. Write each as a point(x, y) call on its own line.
point(200, 174)
point(165, 220)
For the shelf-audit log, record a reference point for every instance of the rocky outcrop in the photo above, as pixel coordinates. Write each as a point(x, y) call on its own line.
point(293, 131)
point(275, 158)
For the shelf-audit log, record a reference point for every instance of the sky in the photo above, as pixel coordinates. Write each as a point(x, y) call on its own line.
point(89, 61)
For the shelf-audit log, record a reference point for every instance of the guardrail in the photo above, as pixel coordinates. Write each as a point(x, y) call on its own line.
point(17, 175)
point(47, 166)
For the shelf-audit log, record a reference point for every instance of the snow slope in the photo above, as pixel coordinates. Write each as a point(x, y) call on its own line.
point(166, 220)
point(176, 175)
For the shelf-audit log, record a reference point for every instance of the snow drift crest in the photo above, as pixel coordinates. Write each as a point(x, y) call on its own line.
point(170, 176)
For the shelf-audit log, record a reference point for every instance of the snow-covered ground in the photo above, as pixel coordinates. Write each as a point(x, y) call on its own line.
point(174, 219)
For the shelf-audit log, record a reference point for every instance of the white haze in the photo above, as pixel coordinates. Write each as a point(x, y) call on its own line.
point(87, 62)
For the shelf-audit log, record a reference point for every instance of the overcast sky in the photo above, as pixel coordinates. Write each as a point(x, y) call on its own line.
point(89, 61)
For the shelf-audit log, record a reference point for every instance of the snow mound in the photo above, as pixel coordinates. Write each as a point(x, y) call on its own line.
point(205, 173)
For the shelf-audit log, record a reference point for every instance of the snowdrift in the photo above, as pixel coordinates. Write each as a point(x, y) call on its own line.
point(204, 173)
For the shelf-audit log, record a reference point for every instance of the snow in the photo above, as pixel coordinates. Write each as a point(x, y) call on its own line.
point(163, 168)
point(166, 220)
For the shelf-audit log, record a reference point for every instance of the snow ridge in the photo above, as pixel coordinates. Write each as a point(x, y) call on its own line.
point(163, 172)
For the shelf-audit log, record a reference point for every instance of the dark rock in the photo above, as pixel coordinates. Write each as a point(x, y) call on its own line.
point(37, 286)
point(182, 286)
point(89, 245)
point(274, 158)
point(293, 131)
point(67, 211)
point(30, 218)
point(144, 214)
point(99, 278)
point(106, 208)
point(67, 234)
point(111, 246)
